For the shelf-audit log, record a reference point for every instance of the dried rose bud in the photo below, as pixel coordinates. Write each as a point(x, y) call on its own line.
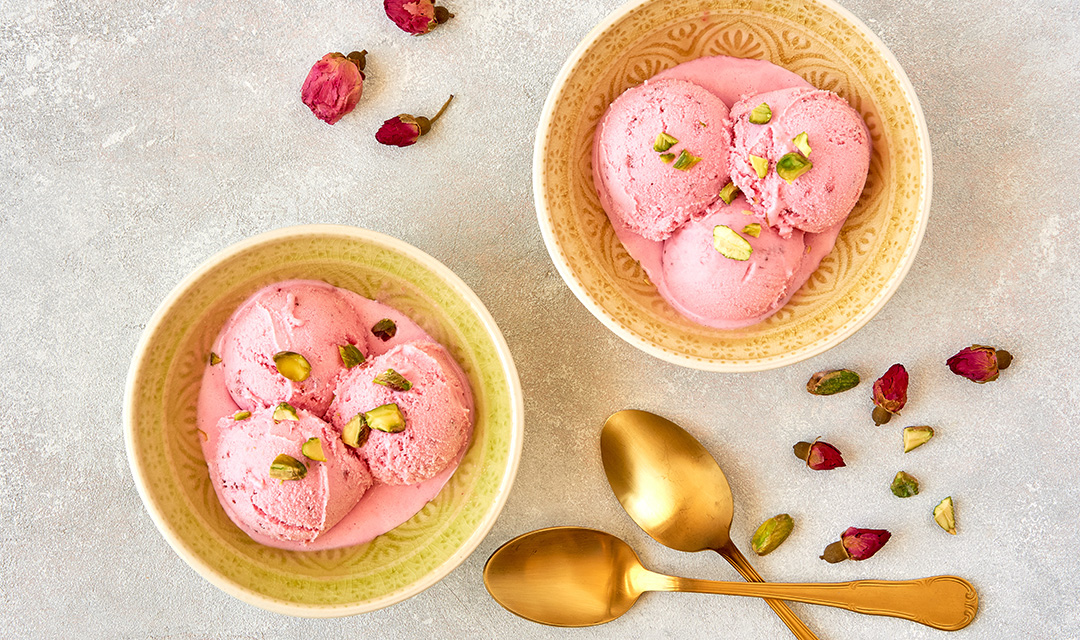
point(979, 363)
point(334, 84)
point(856, 544)
point(890, 393)
point(416, 16)
point(819, 456)
point(404, 130)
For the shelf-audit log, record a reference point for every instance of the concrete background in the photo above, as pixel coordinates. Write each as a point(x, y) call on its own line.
point(137, 138)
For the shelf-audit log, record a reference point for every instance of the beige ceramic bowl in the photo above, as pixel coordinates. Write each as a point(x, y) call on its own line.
point(166, 456)
point(816, 39)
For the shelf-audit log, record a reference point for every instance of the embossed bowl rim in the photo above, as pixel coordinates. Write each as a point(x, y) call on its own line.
point(470, 544)
point(543, 131)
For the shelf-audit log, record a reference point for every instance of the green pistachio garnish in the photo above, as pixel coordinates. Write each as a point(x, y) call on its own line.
point(904, 485)
point(761, 114)
point(313, 449)
point(356, 431)
point(802, 143)
point(393, 379)
point(826, 383)
point(752, 229)
point(945, 516)
point(761, 165)
point(685, 161)
point(214, 358)
point(285, 411)
point(386, 418)
point(730, 244)
point(285, 467)
point(771, 534)
point(385, 329)
point(729, 192)
point(292, 365)
point(667, 158)
point(350, 355)
point(792, 165)
point(916, 436)
point(241, 415)
point(664, 141)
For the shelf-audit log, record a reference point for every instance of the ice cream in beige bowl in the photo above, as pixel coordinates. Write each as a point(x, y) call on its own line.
point(365, 524)
point(651, 273)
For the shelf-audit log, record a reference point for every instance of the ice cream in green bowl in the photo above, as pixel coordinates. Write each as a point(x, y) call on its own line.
point(164, 443)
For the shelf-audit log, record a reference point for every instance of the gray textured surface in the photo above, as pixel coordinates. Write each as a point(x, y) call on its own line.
point(137, 138)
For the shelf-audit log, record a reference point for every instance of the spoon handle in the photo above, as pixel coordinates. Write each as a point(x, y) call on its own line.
point(732, 554)
point(948, 603)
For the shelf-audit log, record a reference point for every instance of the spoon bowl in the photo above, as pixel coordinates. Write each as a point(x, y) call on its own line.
point(673, 489)
point(575, 577)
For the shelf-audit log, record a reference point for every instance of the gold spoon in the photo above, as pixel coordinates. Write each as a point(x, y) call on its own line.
point(675, 491)
point(574, 577)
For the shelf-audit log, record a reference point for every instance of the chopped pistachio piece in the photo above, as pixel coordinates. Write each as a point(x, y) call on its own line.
point(292, 365)
point(664, 141)
point(285, 467)
point(731, 244)
point(752, 229)
point(802, 143)
point(385, 329)
point(667, 158)
point(729, 193)
point(771, 534)
point(214, 358)
point(945, 516)
point(916, 436)
point(386, 418)
point(313, 449)
point(356, 431)
point(241, 415)
point(761, 165)
point(904, 485)
point(350, 355)
point(393, 379)
point(761, 114)
point(285, 411)
point(793, 165)
point(686, 161)
point(826, 383)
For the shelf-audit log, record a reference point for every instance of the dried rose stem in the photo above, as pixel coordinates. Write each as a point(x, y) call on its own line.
point(445, 104)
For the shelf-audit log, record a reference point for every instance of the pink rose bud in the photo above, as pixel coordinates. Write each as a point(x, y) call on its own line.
point(890, 393)
point(979, 364)
point(403, 130)
point(334, 84)
point(856, 544)
point(416, 16)
point(819, 456)
point(863, 543)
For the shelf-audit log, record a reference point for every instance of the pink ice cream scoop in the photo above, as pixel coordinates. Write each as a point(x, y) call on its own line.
point(654, 185)
point(838, 160)
point(436, 410)
point(306, 317)
point(295, 510)
point(722, 292)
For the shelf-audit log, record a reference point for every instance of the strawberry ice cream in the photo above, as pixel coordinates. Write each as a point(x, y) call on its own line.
point(840, 155)
point(299, 509)
point(798, 218)
point(274, 481)
point(308, 318)
point(657, 183)
point(711, 289)
point(435, 410)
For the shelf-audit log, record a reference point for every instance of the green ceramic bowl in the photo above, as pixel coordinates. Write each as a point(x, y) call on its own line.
point(166, 457)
